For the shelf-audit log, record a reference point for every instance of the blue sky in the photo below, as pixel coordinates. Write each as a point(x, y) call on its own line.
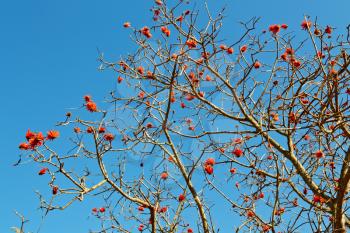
point(48, 52)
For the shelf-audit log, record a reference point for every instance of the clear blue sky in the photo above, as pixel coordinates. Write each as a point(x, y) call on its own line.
point(48, 52)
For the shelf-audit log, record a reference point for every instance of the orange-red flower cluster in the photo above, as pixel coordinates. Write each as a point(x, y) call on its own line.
point(108, 137)
point(33, 140)
point(37, 139)
point(191, 44)
point(305, 24)
point(90, 105)
point(165, 30)
point(146, 32)
point(275, 28)
point(52, 134)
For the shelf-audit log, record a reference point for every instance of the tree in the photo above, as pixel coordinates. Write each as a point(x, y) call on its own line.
point(258, 126)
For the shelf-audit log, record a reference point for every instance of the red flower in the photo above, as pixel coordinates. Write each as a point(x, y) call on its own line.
point(190, 97)
point(284, 26)
point(140, 70)
point(180, 18)
point(120, 79)
point(243, 48)
point(250, 214)
point(233, 170)
point(181, 197)
point(89, 130)
point(141, 95)
point(52, 134)
point(191, 44)
point(43, 171)
point(29, 134)
point(320, 54)
point(101, 129)
point(280, 211)
point(207, 78)
point(266, 228)
point(77, 130)
point(36, 140)
point(183, 105)
point(91, 106)
point(319, 154)
point(166, 31)
point(164, 175)
point(24, 146)
point(275, 28)
point(229, 50)
point(146, 32)
point(289, 51)
point(191, 127)
point(127, 24)
point(141, 208)
point(163, 209)
point(328, 30)
point(257, 65)
point(149, 125)
point(102, 209)
point(87, 98)
point(54, 190)
point(305, 24)
point(284, 57)
point(210, 161)
point(318, 199)
point(223, 47)
point(95, 210)
point(237, 152)
point(108, 137)
point(296, 64)
point(209, 169)
point(189, 230)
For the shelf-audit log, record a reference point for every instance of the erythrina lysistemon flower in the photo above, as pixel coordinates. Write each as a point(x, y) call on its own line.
point(181, 197)
point(91, 106)
point(164, 175)
point(237, 152)
point(108, 137)
point(275, 28)
point(305, 24)
point(243, 48)
point(52, 134)
point(43, 171)
point(210, 161)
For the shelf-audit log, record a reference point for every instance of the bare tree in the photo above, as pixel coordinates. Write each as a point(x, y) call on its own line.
point(259, 126)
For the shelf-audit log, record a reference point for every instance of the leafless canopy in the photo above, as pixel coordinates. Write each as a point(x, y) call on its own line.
point(208, 134)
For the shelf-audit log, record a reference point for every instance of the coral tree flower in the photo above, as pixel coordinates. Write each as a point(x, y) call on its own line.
point(243, 48)
point(209, 169)
point(108, 137)
point(91, 106)
point(305, 24)
point(43, 171)
point(257, 65)
point(181, 197)
point(24, 146)
point(275, 28)
point(191, 44)
point(52, 134)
